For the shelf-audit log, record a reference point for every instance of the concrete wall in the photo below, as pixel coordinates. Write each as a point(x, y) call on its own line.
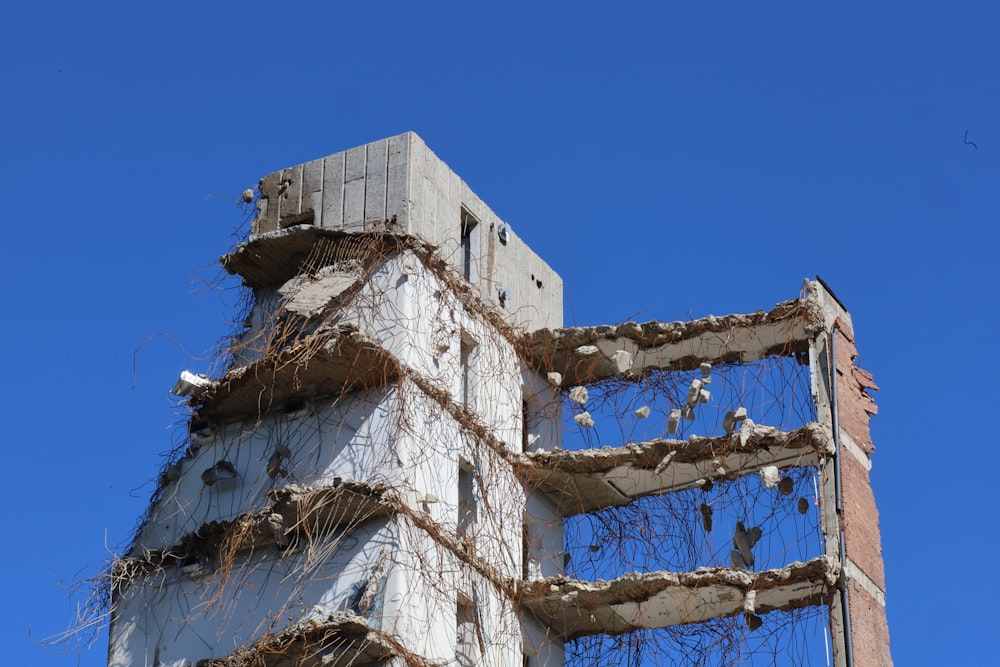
point(398, 435)
point(351, 437)
point(174, 617)
point(400, 178)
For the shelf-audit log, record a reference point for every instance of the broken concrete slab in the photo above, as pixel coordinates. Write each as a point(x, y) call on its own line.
point(326, 363)
point(586, 355)
point(309, 295)
point(575, 608)
point(591, 479)
point(315, 510)
point(336, 640)
point(272, 258)
point(296, 512)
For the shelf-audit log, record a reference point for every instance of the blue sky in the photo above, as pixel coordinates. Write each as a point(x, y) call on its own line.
point(669, 160)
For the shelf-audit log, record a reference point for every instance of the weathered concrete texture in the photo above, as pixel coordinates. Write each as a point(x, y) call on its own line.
point(346, 190)
point(662, 599)
point(329, 362)
point(339, 640)
point(400, 184)
point(583, 481)
point(590, 354)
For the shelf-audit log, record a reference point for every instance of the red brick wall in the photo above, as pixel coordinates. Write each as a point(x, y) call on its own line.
point(862, 540)
point(868, 628)
point(860, 520)
point(853, 403)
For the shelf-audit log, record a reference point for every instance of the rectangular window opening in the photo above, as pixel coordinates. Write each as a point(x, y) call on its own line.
point(468, 638)
point(468, 509)
point(525, 550)
point(466, 394)
point(524, 421)
point(470, 246)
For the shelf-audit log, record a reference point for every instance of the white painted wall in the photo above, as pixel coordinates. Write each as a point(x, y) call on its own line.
point(396, 435)
point(351, 437)
point(169, 616)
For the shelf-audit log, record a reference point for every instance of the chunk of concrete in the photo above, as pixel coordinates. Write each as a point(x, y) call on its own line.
point(786, 486)
point(642, 412)
point(578, 395)
point(750, 602)
point(744, 541)
point(746, 431)
point(694, 393)
point(673, 421)
point(587, 350)
point(555, 379)
point(731, 419)
point(623, 361)
point(584, 419)
point(662, 465)
point(309, 295)
point(771, 476)
point(706, 516)
point(190, 384)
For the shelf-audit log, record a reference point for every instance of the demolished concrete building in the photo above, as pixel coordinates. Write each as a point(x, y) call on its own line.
point(397, 465)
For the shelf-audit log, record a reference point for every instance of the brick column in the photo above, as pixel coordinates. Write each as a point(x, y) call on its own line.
point(864, 570)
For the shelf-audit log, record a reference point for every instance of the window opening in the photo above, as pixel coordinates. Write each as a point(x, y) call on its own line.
point(469, 246)
point(467, 502)
point(466, 392)
point(468, 640)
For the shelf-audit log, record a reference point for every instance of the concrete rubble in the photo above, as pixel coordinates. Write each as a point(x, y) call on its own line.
point(770, 476)
point(578, 395)
point(325, 363)
point(311, 295)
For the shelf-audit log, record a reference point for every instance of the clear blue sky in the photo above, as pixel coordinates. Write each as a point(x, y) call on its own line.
point(669, 159)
